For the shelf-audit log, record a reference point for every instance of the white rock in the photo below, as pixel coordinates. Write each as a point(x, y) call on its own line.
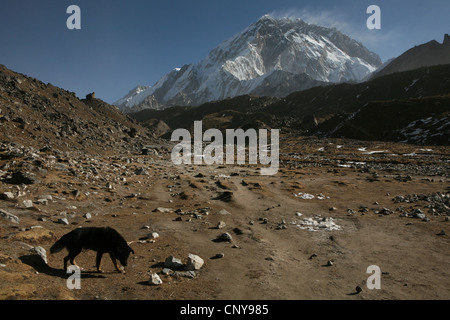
point(194, 262)
point(153, 235)
point(7, 196)
point(221, 225)
point(41, 253)
point(223, 211)
point(9, 216)
point(87, 215)
point(42, 201)
point(63, 221)
point(27, 204)
point(167, 271)
point(155, 279)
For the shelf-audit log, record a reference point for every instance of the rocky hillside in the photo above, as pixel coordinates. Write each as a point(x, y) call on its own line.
point(423, 121)
point(43, 116)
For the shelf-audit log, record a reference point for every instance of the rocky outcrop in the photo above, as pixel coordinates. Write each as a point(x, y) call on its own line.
point(44, 116)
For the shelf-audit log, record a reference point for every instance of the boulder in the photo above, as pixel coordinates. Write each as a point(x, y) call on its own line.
point(223, 212)
point(155, 280)
point(221, 225)
point(87, 215)
point(63, 221)
point(172, 262)
point(28, 204)
point(9, 216)
point(6, 196)
point(194, 262)
point(225, 237)
point(41, 253)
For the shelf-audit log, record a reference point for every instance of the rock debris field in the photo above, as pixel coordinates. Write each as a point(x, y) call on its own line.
point(334, 208)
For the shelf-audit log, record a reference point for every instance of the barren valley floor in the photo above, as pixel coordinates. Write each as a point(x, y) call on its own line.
point(284, 246)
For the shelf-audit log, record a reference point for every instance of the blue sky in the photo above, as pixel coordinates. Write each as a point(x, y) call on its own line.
point(122, 44)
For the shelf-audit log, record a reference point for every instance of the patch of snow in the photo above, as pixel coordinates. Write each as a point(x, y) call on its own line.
point(307, 196)
point(376, 151)
point(304, 196)
point(412, 84)
point(317, 223)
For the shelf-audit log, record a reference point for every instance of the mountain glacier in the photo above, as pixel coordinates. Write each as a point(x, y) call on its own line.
point(272, 57)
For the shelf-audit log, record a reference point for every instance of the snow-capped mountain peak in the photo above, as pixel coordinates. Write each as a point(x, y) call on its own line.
point(133, 97)
point(271, 57)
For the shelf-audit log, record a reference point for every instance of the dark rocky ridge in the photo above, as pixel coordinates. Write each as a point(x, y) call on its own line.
point(327, 110)
point(428, 54)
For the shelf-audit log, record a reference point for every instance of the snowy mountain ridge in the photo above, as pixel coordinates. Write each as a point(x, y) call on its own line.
point(272, 57)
